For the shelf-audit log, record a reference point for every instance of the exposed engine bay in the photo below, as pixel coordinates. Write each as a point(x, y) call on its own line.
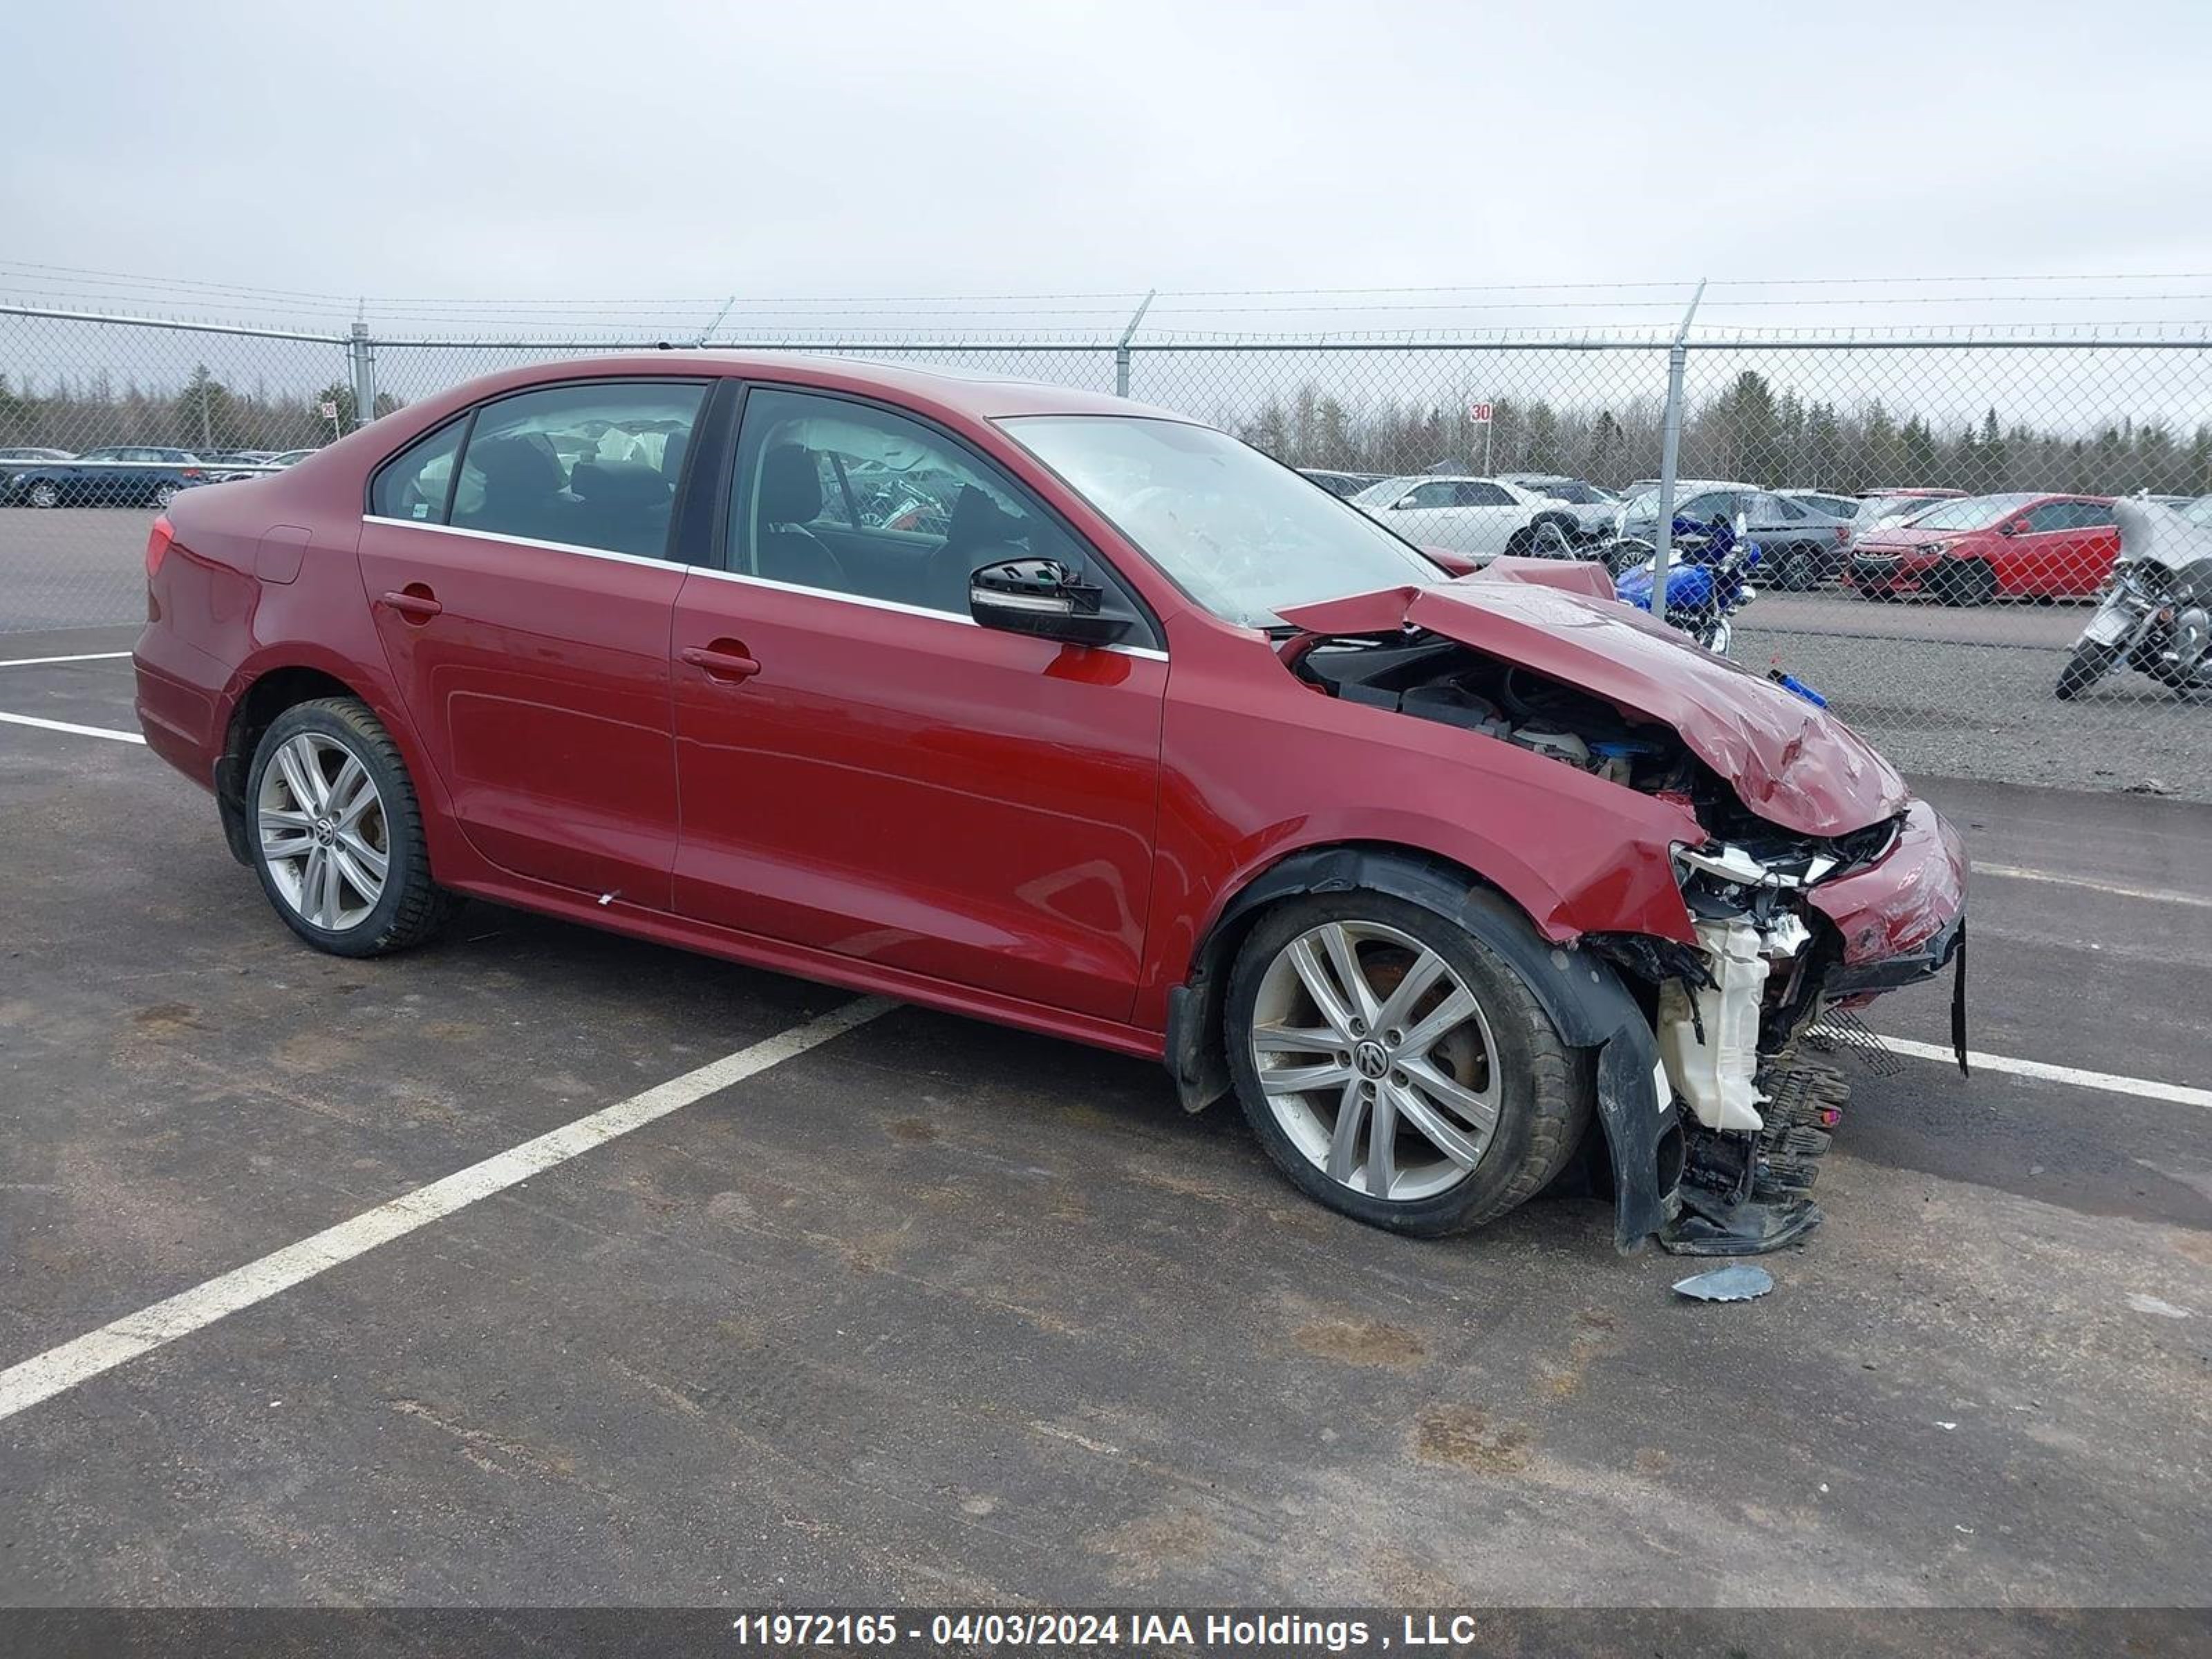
point(1731, 1012)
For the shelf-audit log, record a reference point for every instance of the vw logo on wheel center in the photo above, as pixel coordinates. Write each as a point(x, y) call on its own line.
point(1370, 1059)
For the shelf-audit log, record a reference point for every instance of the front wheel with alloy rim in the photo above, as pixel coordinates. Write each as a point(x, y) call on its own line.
point(44, 495)
point(1395, 1068)
point(336, 832)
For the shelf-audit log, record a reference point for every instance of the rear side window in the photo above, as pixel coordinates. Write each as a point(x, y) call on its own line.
point(414, 484)
point(1470, 494)
point(592, 464)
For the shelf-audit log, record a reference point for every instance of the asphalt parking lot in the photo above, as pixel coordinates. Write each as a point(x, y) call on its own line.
point(933, 1311)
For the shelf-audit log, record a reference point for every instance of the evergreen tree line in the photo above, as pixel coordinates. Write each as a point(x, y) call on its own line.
point(1750, 432)
point(94, 412)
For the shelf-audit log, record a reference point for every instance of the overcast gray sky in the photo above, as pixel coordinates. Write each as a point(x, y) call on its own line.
point(549, 150)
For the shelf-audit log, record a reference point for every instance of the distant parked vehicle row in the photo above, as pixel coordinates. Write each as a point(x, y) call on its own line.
point(121, 475)
point(1882, 545)
point(125, 475)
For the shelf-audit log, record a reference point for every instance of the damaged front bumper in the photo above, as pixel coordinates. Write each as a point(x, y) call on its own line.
point(1782, 941)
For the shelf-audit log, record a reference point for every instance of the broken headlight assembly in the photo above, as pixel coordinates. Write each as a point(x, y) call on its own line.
point(1760, 1118)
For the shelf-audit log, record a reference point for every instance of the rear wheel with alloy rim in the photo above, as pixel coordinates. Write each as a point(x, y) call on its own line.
point(1395, 1068)
point(337, 833)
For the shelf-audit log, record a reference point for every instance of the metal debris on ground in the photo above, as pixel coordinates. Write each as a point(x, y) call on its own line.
point(1739, 1283)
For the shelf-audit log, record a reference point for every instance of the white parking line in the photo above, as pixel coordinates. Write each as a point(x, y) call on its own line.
point(62, 1368)
point(109, 733)
point(2164, 895)
point(33, 662)
point(2109, 1082)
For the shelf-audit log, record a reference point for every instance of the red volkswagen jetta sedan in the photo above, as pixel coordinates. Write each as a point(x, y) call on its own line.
point(1055, 709)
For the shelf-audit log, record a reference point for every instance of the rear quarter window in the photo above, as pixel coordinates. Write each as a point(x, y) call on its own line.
point(415, 484)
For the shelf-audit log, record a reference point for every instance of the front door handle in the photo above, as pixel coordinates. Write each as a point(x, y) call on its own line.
point(417, 603)
point(726, 660)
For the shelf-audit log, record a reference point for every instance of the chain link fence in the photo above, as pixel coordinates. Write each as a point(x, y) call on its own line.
point(1934, 516)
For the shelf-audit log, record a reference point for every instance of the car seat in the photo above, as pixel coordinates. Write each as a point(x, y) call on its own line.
point(785, 550)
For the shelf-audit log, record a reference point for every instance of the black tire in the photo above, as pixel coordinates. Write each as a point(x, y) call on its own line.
point(1794, 569)
point(43, 493)
point(1968, 582)
point(412, 907)
point(161, 496)
point(1547, 1088)
point(2090, 663)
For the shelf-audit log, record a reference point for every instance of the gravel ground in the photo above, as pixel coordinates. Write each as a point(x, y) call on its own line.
point(1987, 711)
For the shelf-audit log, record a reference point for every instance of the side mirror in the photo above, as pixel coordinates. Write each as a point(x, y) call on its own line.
point(2010, 528)
point(1401, 503)
point(1044, 597)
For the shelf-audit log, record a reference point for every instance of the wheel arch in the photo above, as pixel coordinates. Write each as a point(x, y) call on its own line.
point(1579, 991)
point(254, 710)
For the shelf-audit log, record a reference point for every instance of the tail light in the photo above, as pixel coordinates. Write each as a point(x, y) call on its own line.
point(157, 544)
point(192, 473)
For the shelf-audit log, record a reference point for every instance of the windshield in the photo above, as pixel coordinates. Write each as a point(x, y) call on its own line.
point(1246, 537)
point(1383, 491)
point(1975, 513)
point(1895, 507)
point(1567, 489)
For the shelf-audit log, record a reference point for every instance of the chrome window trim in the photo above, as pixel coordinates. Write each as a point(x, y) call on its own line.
point(743, 580)
point(527, 541)
point(1146, 652)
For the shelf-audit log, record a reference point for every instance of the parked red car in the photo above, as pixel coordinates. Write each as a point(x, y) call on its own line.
point(1147, 743)
point(1973, 550)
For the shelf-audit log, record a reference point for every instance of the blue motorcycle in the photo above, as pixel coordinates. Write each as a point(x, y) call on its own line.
point(1704, 583)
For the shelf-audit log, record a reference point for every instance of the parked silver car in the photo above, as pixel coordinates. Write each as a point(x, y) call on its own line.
point(1798, 547)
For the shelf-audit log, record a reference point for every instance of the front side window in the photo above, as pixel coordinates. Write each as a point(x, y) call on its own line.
point(1430, 495)
point(858, 501)
point(592, 465)
point(1245, 537)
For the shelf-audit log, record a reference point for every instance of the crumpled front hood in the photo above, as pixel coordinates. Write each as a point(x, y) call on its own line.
point(1793, 764)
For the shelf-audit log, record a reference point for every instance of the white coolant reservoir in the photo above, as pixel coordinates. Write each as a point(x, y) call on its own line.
point(1715, 1076)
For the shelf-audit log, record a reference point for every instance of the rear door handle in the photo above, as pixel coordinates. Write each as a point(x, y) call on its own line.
point(726, 660)
point(416, 606)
